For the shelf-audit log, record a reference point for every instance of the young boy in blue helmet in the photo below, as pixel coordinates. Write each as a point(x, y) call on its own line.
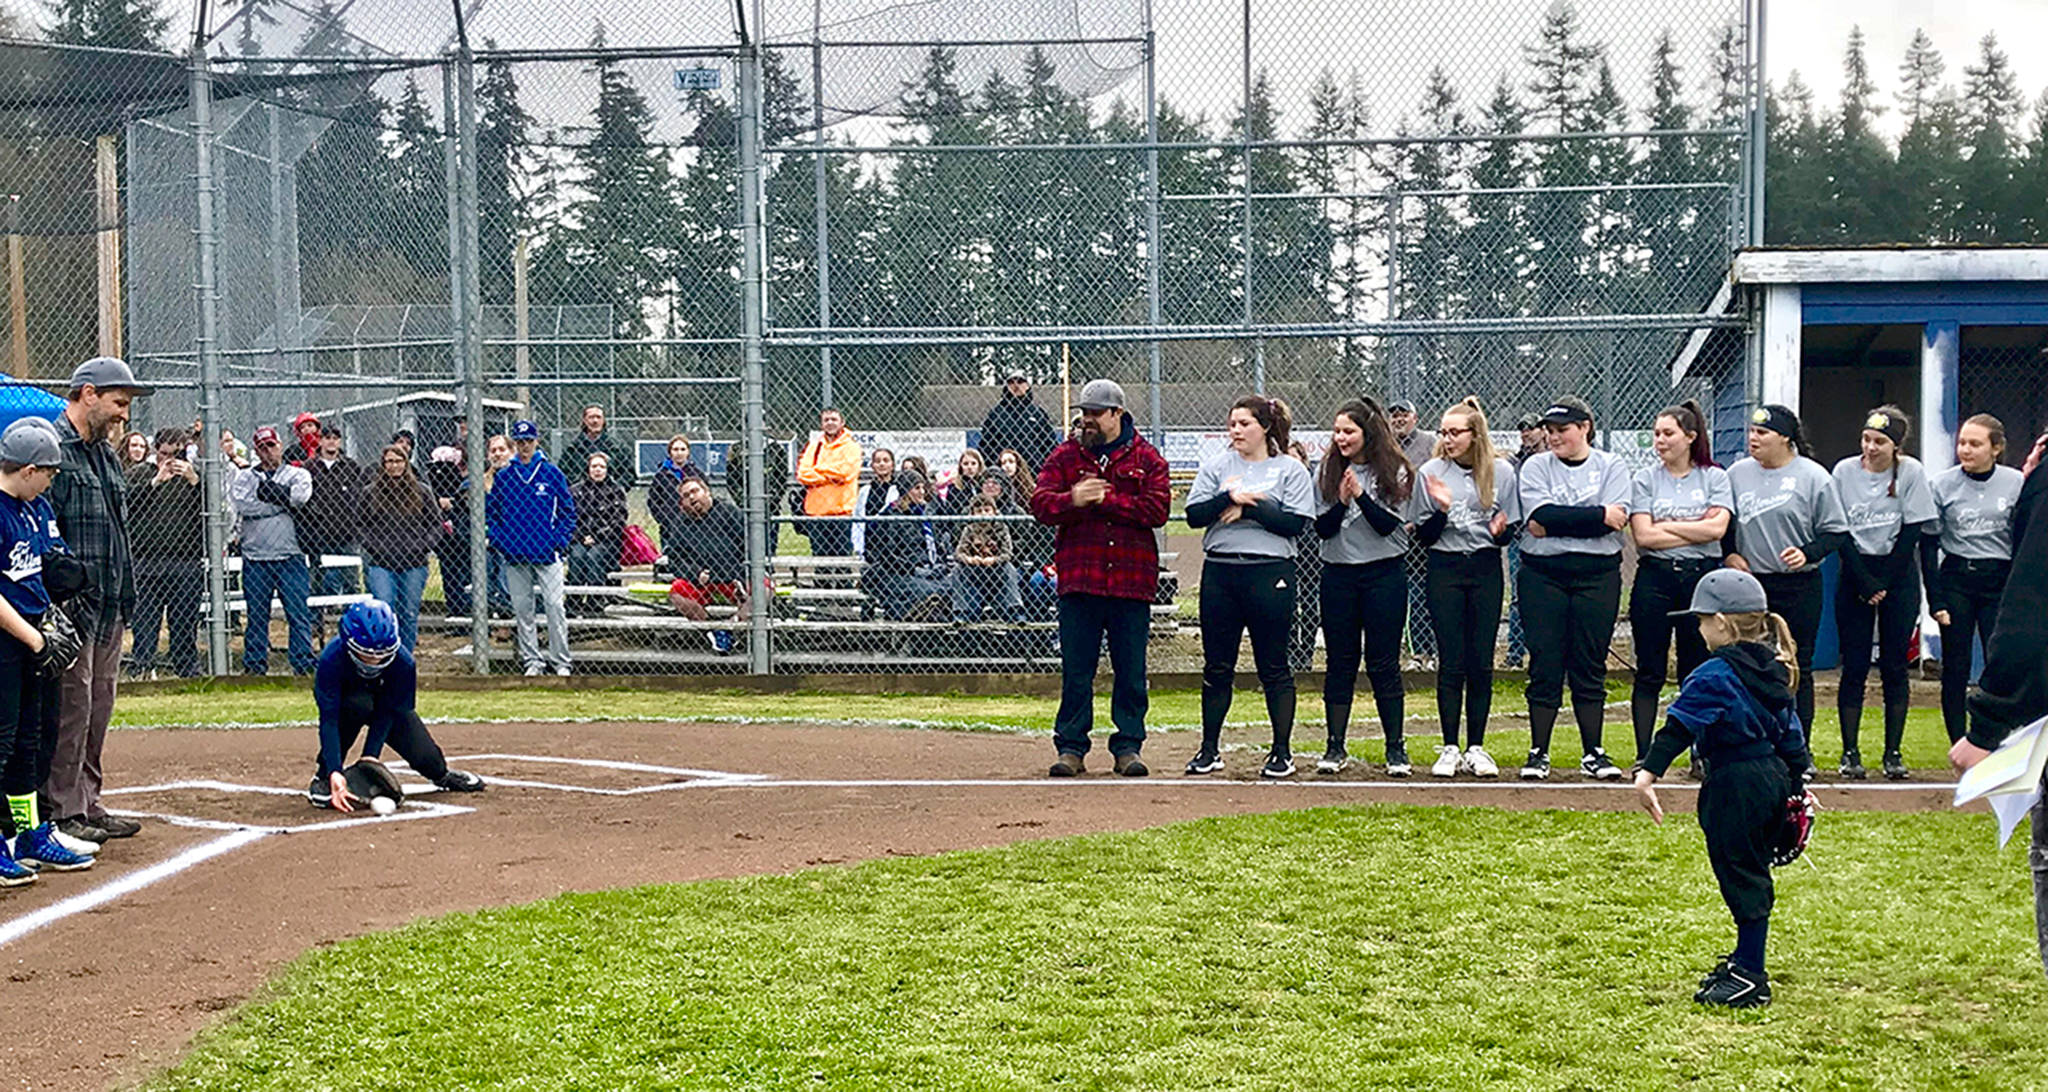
point(365, 681)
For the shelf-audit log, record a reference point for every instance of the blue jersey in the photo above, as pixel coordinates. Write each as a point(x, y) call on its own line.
point(392, 694)
point(28, 530)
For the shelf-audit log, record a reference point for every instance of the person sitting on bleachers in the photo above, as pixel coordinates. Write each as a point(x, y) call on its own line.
point(902, 575)
point(661, 489)
point(709, 557)
point(600, 525)
point(986, 574)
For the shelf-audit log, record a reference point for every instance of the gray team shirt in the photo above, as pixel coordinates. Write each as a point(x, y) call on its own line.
point(1976, 517)
point(1356, 543)
point(1875, 510)
point(1776, 510)
point(1547, 479)
point(1280, 477)
point(1664, 497)
point(1465, 524)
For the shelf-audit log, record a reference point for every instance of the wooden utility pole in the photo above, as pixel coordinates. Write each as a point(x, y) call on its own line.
point(107, 189)
point(17, 293)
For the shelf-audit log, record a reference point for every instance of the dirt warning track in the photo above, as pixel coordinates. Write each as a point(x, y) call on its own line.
point(111, 971)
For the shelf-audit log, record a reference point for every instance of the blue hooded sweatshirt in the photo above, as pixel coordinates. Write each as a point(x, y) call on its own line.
point(528, 513)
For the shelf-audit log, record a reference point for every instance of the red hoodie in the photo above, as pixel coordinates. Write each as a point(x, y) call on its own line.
point(309, 442)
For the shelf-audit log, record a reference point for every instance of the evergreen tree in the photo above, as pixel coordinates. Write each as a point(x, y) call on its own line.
point(2030, 180)
point(1289, 244)
point(1338, 112)
point(1992, 107)
point(1494, 248)
point(1199, 263)
point(508, 192)
point(1797, 189)
point(1671, 223)
point(1565, 67)
point(108, 24)
point(936, 270)
point(1864, 190)
point(419, 185)
point(1929, 157)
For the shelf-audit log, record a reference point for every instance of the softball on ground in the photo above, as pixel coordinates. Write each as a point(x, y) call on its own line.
point(383, 805)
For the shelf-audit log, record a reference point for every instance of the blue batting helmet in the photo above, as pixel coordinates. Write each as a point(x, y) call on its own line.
point(371, 632)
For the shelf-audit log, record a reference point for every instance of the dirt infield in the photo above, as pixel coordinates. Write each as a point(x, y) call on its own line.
point(199, 911)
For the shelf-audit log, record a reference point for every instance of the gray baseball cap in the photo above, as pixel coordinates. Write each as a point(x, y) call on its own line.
point(1101, 394)
point(1726, 591)
point(31, 442)
point(106, 373)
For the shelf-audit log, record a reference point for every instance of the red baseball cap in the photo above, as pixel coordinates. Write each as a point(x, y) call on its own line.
point(264, 435)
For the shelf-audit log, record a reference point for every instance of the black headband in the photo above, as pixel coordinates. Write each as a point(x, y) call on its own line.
point(1890, 424)
point(1776, 418)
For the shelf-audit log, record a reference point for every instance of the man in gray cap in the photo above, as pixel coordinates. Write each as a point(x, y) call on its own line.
point(1106, 492)
point(90, 497)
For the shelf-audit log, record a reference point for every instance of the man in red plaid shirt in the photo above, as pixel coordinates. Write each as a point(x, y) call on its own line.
point(1106, 492)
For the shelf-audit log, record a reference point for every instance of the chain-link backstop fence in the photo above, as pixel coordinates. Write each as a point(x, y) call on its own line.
point(390, 234)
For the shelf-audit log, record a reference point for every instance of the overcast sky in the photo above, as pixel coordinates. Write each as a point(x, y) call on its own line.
point(1809, 35)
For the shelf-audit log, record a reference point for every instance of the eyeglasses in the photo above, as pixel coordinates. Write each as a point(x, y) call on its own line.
point(1454, 432)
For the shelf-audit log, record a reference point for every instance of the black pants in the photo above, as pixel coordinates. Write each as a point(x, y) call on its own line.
point(1660, 588)
point(167, 591)
point(1465, 602)
point(1894, 620)
point(1971, 590)
point(28, 720)
point(1084, 621)
point(1742, 807)
point(1797, 598)
point(1569, 604)
point(408, 736)
point(1256, 596)
point(1363, 607)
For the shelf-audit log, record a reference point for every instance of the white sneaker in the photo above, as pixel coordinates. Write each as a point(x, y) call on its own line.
point(533, 670)
point(1446, 764)
point(76, 845)
point(562, 670)
point(1480, 764)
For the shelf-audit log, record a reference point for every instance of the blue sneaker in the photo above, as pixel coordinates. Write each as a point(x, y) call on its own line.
point(39, 849)
point(12, 872)
point(721, 641)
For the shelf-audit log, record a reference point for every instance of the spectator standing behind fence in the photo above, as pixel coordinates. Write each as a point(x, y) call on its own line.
point(600, 523)
point(829, 470)
point(709, 558)
point(1254, 502)
point(134, 450)
point(445, 477)
point(663, 490)
point(531, 518)
point(1531, 428)
point(1017, 424)
point(268, 496)
point(986, 572)
point(875, 495)
point(90, 497)
point(166, 506)
point(401, 524)
point(593, 437)
point(332, 520)
point(306, 433)
point(1966, 566)
point(1106, 492)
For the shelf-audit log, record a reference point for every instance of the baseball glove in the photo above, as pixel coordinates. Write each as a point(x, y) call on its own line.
point(369, 779)
point(61, 643)
point(1792, 836)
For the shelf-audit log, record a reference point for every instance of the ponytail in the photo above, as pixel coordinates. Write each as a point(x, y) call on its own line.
point(1692, 420)
point(1480, 452)
point(1904, 429)
point(1788, 649)
point(1272, 415)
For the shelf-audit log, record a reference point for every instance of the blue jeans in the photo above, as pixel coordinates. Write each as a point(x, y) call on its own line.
point(1084, 621)
point(400, 589)
point(287, 581)
point(976, 589)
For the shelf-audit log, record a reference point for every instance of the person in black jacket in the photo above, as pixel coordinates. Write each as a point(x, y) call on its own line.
point(1740, 710)
point(662, 488)
point(2013, 689)
point(592, 439)
point(401, 524)
point(600, 526)
point(1015, 424)
point(329, 523)
point(169, 543)
point(709, 556)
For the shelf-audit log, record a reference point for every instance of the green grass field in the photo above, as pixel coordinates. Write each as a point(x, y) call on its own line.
point(1372, 947)
point(1174, 712)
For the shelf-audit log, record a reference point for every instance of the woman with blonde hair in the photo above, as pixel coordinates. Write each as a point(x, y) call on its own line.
point(1471, 496)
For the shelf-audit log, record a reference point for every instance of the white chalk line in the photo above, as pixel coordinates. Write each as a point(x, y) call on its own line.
point(22, 926)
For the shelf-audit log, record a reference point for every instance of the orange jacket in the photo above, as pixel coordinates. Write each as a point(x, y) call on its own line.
point(830, 472)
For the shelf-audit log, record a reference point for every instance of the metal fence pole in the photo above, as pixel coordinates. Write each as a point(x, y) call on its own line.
point(753, 321)
point(278, 303)
point(470, 293)
point(212, 467)
point(823, 228)
point(1753, 159)
point(1245, 134)
point(1153, 258)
